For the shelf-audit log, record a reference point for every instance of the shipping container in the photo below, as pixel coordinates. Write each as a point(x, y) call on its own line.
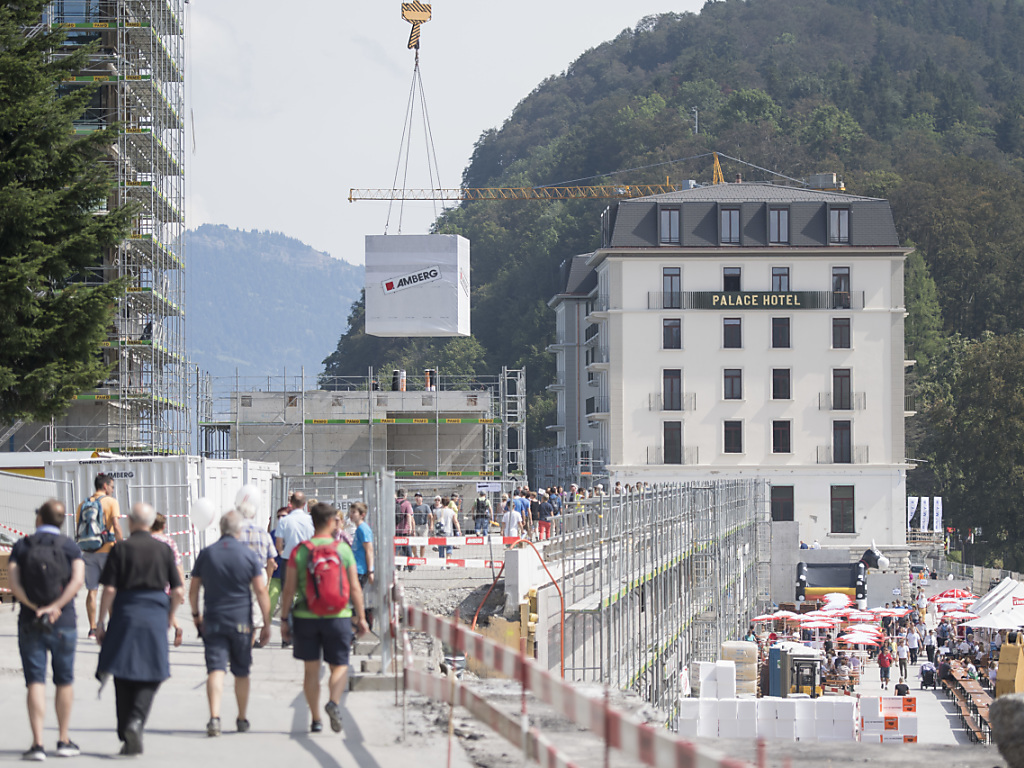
point(417, 285)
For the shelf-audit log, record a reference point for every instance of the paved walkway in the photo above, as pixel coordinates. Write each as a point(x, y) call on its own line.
point(176, 733)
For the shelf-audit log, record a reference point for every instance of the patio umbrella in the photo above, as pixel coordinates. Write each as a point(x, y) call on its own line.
point(961, 615)
point(764, 617)
point(838, 598)
point(959, 593)
point(862, 616)
point(859, 639)
point(818, 624)
point(785, 615)
point(866, 628)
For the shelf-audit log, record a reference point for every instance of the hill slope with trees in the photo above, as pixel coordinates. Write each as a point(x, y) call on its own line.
point(918, 101)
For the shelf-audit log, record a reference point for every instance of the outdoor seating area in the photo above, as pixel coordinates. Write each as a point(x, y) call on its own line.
point(972, 702)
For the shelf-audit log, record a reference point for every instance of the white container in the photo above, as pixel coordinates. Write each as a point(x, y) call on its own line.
point(785, 709)
point(709, 690)
point(844, 709)
point(767, 709)
point(824, 709)
point(689, 709)
point(725, 676)
point(746, 709)
point(417, 285)
point(806, 709)
point(727, 709)
point(706, 670)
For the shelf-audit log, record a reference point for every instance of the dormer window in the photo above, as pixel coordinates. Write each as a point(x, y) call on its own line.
point(778, 226)
point(669, 234)
point(839, 226)
point(730, 222)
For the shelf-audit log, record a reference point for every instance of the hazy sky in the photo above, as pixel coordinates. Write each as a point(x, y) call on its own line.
point(294, 103)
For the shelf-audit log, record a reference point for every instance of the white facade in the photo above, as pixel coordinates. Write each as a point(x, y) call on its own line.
point(836, 431)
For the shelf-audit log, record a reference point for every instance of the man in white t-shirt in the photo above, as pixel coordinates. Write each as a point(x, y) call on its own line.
point(512, 523)
point(903, 656)
point(913, 644)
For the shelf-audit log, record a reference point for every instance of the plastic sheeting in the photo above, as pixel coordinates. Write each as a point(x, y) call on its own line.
point(417, 285)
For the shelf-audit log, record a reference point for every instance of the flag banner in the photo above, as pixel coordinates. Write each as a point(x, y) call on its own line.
point(937, 511)
point(925, 513)
point(911, 508)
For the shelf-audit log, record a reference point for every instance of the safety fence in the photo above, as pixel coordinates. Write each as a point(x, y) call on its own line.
point(655, 580)
point(649, 744)
point(20, 497)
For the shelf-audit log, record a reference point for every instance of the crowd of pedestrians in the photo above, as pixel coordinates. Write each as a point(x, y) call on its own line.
point(314, 563)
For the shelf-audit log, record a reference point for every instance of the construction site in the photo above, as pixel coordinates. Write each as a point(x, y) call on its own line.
point(140, 65)
point(430, 429)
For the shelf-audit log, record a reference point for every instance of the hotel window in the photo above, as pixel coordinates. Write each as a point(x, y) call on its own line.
point(780, 279)
point(672, 333)
point(778, 225)
point(842, 448)
point(781, 386)
point(842, 391)
point(672, 288)
point(672, 452)
point(782, 503)
point(842, 509)
point(734, 437)
point(733, 384)
point(840, 333)
point(732, 331)
point(672, 390)
point(730, 218)
point(841, 287)
point(731, 279)
point(780, 333)
point(670, 226)
point(839, 226)
point(781, 437)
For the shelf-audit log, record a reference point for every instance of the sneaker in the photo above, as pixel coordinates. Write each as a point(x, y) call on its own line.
point(213, 727)
point(334, 712)
point(36, 753)
point(286, 644)
point(316, 726)
point(92, 634)
point(242, 725)
point(68, 749)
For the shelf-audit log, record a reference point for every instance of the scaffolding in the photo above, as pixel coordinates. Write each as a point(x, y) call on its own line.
point(140, 67)
point(457, 429)
point(656, 579)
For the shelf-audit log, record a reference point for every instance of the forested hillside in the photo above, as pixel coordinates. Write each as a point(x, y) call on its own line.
point(919, 101)
point(261, 302)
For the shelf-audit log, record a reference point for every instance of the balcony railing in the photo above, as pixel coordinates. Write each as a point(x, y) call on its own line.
point(557, 381)
point(910, 404)
point(686, 402)
point(855, 401)
point(598, 355)
point(858, 454)
point(596, 405)
point(656, 455)
point(592, 331)
point(756, 300)
point(599, 304)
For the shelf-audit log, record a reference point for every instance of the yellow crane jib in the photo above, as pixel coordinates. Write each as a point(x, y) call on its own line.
point(416, 14)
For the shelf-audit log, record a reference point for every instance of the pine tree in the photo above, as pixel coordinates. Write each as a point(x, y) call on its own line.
point(54, 309)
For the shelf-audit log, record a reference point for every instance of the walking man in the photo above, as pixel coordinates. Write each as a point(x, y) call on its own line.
point(884, 666)
point(421, 516)
point(319, 628)
point(362, 550)
point(902, 656)
point(260, 543)
point(134, 647)
point(482, 514)
point(225, 571)
point(293, 528)
point(46, 572)
point(97, 529)
point(913, 643)
point(545, 511)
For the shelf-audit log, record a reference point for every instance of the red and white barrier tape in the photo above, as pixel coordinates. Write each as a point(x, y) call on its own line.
point(653, 746)
point(12, 530)
point(437, 562)
point(447, 541)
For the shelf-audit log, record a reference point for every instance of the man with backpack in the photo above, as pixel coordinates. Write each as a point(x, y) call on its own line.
point(482, 514)
point(46, 571)
point(421, 516)
point(405, 522)
point(322, 581)
point(97, 529)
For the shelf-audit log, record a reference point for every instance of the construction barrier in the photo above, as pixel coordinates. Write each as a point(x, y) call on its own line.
point(437, 562)
point(652, 746)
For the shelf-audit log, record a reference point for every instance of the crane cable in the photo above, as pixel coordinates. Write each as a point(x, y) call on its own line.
point(417, 97)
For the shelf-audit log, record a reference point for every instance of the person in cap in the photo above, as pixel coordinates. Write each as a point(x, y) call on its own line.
point(483, 514)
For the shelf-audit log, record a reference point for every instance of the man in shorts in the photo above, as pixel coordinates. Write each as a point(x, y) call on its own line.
point(94, 561)
point(47, 622)
point(313, 636)
point(884, 666)
point(226, 570)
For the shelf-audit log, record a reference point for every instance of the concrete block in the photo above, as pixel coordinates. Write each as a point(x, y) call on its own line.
point(746, 709)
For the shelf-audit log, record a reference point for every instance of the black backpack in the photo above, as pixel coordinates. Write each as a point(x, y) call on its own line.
point(481, 508)
point(43, 567)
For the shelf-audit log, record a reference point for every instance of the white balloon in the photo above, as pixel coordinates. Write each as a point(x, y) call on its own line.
point(203, 513)
point(247, 500)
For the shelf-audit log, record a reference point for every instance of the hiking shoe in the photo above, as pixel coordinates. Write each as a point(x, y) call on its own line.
point(316, 726)
point(334, 712)
point(242, 725)
point(213, 727)
point(36, 753)
point(68, 749)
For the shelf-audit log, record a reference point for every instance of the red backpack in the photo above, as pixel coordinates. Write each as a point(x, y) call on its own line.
point(326, 579)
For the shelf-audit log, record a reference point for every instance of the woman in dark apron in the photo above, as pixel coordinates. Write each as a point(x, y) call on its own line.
point(134, 646)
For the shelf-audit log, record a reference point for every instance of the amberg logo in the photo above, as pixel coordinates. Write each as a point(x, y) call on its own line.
point(427, 275)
